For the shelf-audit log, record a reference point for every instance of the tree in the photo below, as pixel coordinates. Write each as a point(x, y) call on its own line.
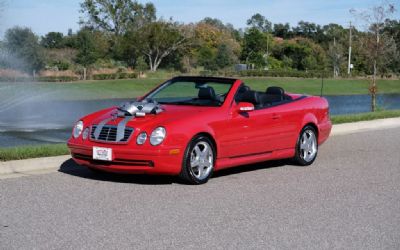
point(336, 56)
point(282, 30)
point(214, 22)
point(117, 16)
point(224, 28)
point(309, 30)
point(23, 44)
point(392, 29)
point(225, 56)
point(334, 31)
point(256, 46)
point(259, 22)
point(206, 58)
point(380, 48)
point(87, 54)
point(212, 39)
point(157, 40)
point(53, 40)
point(141, 65)
point(300, 54)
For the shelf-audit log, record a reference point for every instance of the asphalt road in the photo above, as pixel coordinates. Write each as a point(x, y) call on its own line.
point(349, 199)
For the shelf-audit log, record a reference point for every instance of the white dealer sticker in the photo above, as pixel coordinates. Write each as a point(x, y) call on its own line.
point(103, 154)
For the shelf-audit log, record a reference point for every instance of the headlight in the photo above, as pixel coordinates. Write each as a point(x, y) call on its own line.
point(77, 129)
point(157, 136)
point(85, 133)
point(142, 137)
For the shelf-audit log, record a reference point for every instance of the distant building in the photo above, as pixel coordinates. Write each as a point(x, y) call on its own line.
point(240, 67)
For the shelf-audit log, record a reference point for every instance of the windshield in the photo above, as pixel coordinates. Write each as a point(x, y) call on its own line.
point(192, 91)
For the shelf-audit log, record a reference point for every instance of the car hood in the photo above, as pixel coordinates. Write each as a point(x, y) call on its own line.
point(170, 113)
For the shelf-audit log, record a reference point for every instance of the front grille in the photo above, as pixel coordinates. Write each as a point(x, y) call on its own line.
point(109, 134)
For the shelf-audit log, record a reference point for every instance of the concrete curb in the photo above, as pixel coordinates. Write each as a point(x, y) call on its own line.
point(30, 166)
point(364, 126)
point(18, 168)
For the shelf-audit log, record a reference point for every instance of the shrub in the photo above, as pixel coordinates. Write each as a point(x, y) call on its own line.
point(123, 75)
point(268, 73)
point(104, 76)
point(57, 78)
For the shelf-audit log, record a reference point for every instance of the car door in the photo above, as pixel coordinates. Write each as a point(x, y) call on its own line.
point(249, 133)
point(289, 116)
point(234, 135)
point(270, 129)
point(265, 128)
point(274, 129)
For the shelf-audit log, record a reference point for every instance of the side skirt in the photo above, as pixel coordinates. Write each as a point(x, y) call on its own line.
point(254, 158)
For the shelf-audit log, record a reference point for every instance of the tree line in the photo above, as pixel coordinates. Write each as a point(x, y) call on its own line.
point(128, 34)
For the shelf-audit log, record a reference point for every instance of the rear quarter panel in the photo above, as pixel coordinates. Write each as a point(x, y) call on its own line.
point(315, 111)
point(297, 114)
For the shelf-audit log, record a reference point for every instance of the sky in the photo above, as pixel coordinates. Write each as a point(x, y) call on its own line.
point(43, 16)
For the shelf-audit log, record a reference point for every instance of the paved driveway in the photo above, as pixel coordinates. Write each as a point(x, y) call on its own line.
point(349, 198)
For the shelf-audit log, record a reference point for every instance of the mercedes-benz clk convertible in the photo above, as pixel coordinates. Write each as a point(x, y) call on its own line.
point(193, 126)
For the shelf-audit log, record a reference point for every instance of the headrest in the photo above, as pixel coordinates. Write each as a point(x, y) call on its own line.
point(207, 93)
point(251, 96)
point(244, 88)
point(275, 91)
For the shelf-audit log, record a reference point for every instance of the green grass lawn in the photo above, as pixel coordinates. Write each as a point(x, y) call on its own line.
point(338, 119)
point(27, 152)
point(331, 86)
point(91, 90)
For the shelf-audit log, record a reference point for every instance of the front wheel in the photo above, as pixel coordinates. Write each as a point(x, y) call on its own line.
point(198, 162)
point(306, 147)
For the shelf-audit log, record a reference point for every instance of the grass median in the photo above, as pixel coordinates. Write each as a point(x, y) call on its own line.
point(27, 152)
point(339, 119)
point(36, 151)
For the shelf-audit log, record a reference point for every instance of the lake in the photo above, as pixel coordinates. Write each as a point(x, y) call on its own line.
point(43, 122)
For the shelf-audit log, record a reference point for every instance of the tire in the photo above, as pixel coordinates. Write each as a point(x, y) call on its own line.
point(306, 147)
point(199, 161)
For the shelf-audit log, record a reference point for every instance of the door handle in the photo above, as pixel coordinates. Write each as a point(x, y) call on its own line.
point(276, 116)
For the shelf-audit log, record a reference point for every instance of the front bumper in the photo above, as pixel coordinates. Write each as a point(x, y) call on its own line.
point(127, 160)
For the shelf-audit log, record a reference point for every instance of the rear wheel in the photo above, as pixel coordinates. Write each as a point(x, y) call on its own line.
point(307, 146)
point(198, 162)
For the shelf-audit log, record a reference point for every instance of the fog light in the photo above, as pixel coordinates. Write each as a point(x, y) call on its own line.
point(85, 134)
point(141, 139)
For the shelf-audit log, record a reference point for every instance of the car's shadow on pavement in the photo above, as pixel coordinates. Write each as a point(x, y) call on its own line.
point(251, 167)
point(71, 168)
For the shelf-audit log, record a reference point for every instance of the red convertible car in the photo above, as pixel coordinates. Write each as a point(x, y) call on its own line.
point(192, 126)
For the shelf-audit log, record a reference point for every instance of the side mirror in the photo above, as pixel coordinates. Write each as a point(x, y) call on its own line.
point(243, 107)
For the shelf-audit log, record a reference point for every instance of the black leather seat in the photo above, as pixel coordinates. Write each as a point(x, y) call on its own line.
point(243, 89)
point(252, 97)
point(207, 93)
point(277, 94)
point(275, 91)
